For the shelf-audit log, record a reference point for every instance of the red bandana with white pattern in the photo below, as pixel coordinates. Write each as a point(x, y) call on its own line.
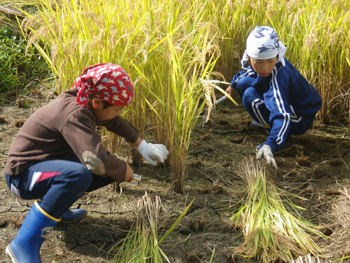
point(108, 82)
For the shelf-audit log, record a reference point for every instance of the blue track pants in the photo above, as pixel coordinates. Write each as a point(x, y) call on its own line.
point(58, 183)
point(253, 102)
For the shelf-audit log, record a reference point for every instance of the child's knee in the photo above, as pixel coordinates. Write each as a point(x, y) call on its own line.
point(249, 96)
point(243, 84)
point(80, 180)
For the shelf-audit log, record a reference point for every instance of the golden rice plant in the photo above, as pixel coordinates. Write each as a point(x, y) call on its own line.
point(273, 230)
point(166, 46)
point(142, 243)
point(171, 78)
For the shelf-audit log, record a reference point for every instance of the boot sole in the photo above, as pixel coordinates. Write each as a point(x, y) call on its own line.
point(10, 254)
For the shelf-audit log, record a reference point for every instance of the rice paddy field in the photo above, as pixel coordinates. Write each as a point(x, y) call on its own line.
point(211, 202)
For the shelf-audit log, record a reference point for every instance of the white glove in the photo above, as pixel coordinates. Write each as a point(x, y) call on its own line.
point(150, 151)
point(266, 152)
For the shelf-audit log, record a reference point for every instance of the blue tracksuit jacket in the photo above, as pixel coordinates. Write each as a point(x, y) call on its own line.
point(287, 95)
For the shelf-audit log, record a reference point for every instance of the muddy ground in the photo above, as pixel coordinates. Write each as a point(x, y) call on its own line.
point(317, 169)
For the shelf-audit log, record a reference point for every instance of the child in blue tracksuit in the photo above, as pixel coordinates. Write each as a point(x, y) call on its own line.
point(274, 93)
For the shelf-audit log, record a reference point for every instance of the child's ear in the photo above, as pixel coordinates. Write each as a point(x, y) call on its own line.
point(96, 102)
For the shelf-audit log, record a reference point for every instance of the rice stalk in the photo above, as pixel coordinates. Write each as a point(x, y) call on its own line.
point(142, 243)
point(9, 13)
point(165, 46)
point(172, 81)
point(209, 87)
point(271, 231)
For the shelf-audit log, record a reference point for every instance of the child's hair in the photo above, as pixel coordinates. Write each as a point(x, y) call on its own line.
point(105, 103)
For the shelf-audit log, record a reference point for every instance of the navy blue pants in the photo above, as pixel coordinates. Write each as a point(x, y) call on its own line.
point(58, 183)
point(253, 102)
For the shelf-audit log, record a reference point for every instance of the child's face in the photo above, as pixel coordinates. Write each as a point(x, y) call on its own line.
point(102, 113)
point(263, 67)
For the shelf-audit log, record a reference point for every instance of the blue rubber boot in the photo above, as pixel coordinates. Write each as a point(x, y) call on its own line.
point(73, 216)
point(25, 248)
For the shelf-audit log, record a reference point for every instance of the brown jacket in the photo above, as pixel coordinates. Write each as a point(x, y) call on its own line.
point(63, 128)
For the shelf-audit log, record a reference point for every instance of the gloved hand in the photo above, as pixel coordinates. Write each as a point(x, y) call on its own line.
point(266, 152)
point(150, 151)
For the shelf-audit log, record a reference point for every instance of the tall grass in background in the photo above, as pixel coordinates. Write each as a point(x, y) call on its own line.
point(316, 33)
point(167, 46)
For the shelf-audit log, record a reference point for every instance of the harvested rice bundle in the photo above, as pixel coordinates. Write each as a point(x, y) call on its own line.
point(271, 231)
point(142, 244)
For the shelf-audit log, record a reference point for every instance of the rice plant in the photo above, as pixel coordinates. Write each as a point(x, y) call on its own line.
point(142, 243)
point(165, 46)
point(271, 230)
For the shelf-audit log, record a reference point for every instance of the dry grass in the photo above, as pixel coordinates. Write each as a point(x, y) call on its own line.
point(340, 216)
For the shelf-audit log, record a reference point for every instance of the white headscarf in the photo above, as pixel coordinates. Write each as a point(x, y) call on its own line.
point(263, 43)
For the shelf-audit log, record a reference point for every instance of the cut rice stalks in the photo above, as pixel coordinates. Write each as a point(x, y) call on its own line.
point(271, 232)
point(141, 245)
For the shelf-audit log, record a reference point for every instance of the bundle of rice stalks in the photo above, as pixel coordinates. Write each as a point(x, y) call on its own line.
point(310, 259)
point(141, 244)
point(340, 215)
point(341, 208)
point(271, 231)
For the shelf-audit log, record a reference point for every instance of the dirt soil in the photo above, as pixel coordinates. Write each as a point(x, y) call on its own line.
point(317, 169)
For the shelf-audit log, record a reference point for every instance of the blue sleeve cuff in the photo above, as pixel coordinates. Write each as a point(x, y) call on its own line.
point(272, 143)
